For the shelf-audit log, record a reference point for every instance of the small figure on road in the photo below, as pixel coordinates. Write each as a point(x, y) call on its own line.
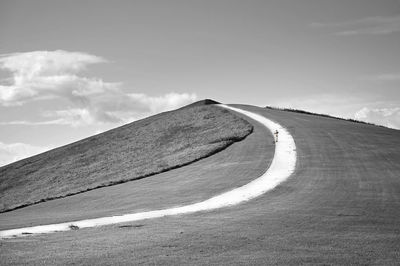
point(276, 135)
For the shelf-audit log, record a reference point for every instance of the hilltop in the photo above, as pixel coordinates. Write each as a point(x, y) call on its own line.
point(201, 103)
point(340, 206)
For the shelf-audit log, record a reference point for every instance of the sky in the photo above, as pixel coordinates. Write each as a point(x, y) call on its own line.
point(71, 69)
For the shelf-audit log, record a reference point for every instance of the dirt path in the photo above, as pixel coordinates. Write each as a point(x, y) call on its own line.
point(341, 206)
point(282, 166)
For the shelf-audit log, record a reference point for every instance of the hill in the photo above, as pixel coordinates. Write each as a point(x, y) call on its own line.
point(341, 206)
point(133, 151)
point(201, 103)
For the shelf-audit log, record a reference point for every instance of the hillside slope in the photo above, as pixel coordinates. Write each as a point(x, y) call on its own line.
point(235, 166)
point(136, 150)
point(340, 207)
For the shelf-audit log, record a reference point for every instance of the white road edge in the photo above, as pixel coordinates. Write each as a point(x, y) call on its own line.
point(282, 166)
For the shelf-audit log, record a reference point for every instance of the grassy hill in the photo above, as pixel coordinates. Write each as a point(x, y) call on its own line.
point(133, 151)
point(340, 207)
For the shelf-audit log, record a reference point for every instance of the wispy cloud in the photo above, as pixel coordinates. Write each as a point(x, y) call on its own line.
point(117, 108)
point(321, 103)
point(370, 26)
point(33, 123)
point(48, 74)
point(389, 117)
point(15, 151)
point(58, 74)
point(383, 77)
point(347, 106)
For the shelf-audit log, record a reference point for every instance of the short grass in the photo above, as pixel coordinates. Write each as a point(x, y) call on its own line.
point(133, 151)
point(340, 207)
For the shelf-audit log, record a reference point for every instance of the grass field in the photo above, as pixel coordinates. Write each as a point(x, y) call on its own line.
point(340, 207)
point(136, 150)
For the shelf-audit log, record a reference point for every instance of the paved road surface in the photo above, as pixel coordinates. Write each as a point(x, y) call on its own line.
point(341, 206)
point(231, 168)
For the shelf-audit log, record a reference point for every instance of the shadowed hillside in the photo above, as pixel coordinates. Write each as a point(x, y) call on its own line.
point(130, 152)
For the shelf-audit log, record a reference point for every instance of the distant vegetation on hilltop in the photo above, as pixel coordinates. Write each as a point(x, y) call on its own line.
point(322, 115)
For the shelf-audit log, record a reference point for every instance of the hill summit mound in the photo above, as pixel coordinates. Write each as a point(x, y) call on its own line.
point(133, 151)
point(201, 103)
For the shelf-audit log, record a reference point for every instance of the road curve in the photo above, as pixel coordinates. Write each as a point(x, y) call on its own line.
point(341, 206)
point(282, 166)
point(233, 167)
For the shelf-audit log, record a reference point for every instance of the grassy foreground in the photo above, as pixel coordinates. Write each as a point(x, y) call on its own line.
point(133, 151)
point(340, 207)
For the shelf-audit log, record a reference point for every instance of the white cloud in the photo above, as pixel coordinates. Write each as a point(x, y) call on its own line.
point(389, 117)
point(322, 103)
point(385, 113)
point(32, 123)
point(16, 151)
point(383, 77)
point(47, 74)
point(162, 103)
point(58, 74)
point(118, 108)
point(370, 26)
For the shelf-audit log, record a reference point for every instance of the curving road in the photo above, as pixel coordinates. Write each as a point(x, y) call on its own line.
point(341, 206)
point(282, 166)
point(237, 165)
